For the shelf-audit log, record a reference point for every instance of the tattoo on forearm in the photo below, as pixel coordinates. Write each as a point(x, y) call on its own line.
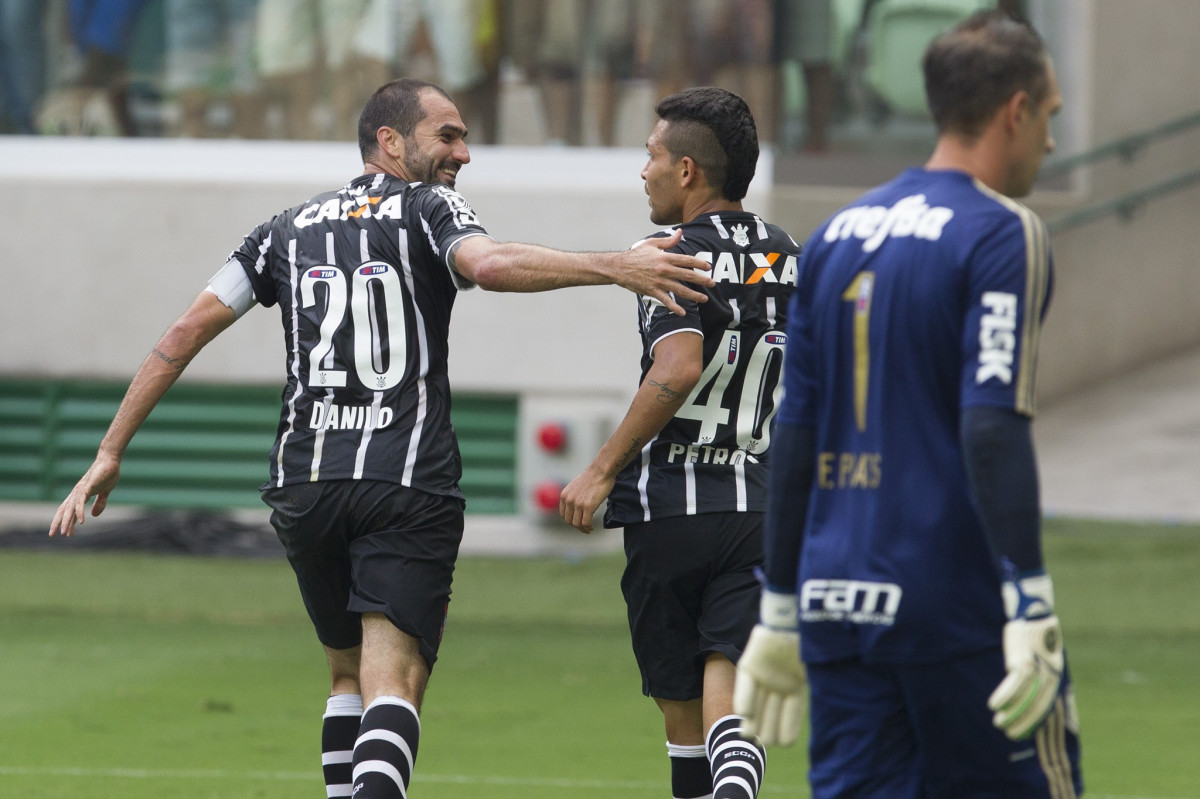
point(666, 394)
point(635, 446)
point(177, 363)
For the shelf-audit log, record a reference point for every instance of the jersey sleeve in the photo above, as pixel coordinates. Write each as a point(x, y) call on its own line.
point(658, 321)
point(1008, 291)
point(253, 254)
point(798, 406)
point(446, 218)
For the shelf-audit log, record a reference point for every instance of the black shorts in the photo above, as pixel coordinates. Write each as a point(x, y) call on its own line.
point(690, 589)
point(361, 546)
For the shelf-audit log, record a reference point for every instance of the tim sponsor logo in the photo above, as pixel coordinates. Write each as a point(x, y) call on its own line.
point(856, 601)
point(911, 216)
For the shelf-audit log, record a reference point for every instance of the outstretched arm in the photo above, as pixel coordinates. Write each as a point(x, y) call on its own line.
point(646, 269)
point(678, 361)
point(186, 336)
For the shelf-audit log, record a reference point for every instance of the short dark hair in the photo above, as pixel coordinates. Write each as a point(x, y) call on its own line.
point(715, 129)
point(393, 105)
point(974, 68)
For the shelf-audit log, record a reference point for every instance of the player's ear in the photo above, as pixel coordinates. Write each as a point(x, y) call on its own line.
point(1017, 110)
point(687, 171)
point(390, 142)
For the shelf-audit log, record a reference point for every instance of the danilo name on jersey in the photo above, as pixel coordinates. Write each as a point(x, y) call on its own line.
point(349, 417)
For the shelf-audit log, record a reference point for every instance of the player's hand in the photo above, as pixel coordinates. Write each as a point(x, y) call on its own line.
point(1033, 656)
point(649, 271)
point(578, 501)
point(768, 691)
point(98, 482)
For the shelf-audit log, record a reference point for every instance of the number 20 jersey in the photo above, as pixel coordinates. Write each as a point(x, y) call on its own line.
point(712, 456)
point(365, 294)
point(924, 297)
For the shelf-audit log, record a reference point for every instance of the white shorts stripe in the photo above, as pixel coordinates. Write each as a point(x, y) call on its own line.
point(644, 480)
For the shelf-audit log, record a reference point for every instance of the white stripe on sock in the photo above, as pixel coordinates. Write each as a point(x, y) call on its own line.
point(392, 738)
point(381, 767)
point(333, 758)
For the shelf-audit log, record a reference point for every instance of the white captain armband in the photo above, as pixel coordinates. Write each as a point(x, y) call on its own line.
point(232, 287)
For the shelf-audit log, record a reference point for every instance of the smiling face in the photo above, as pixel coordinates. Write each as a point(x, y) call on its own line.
point(437, 149)
point(662, 180)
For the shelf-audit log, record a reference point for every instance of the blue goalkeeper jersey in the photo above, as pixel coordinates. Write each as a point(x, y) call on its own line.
point(922, 298)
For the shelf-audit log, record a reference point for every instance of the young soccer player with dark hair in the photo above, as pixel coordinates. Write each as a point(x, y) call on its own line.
point(685, 471)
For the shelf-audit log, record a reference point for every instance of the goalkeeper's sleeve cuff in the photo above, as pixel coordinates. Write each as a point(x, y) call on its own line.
point(779, 611)
point(1029, 597)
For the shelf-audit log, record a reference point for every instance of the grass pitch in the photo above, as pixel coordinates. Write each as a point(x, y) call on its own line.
point(138, 676)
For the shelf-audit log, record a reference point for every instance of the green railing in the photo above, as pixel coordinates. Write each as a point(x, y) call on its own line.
point(1125, 149)
point(205, 446)
point(1125, 205)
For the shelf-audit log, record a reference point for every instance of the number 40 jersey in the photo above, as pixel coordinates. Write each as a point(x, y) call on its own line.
point(711, 457)
point(365, 293)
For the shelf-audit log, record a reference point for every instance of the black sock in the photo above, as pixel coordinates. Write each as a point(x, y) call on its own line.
point(737, 764)
point(339, 731)
point(691, 777)
point(386, 749)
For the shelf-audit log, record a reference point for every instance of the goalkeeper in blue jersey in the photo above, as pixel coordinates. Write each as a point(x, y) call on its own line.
point(902, 541)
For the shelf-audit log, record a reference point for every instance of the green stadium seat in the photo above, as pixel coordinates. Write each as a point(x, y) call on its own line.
point(898, 31)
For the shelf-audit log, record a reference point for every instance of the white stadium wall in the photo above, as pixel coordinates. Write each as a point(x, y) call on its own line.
point(1127, 290)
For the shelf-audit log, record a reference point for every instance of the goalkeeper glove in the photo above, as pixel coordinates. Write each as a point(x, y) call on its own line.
point(1033, 656)
point(769, 689)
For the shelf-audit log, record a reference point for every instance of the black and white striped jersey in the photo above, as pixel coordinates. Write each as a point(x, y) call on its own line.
point(711, 457)
point(365, 293)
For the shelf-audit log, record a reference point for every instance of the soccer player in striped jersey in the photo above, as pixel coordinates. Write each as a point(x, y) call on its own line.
point(365, 467)
point(685, 471)
point(903, 545)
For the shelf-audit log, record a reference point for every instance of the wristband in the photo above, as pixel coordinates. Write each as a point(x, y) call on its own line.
point(779, 611)
point(1029, 597)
